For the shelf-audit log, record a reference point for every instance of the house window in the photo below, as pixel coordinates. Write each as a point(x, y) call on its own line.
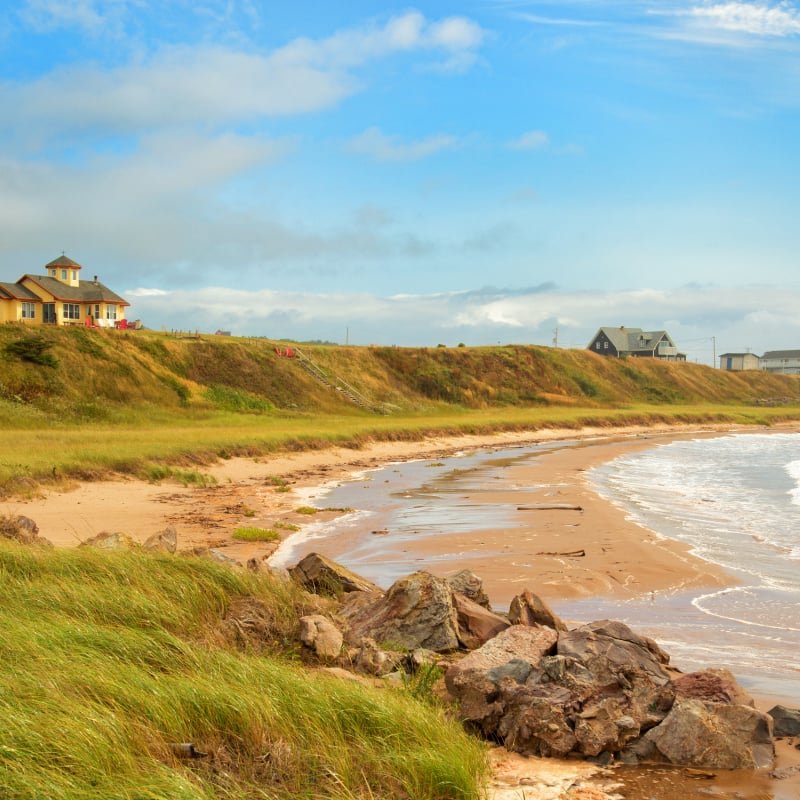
point(52, 273)
point(29, 311)
point(605, 345)
point(63, 274)
point(71, 311)
point(74, 275)
point(111, 312)
point(598, 345)
point(97, 312)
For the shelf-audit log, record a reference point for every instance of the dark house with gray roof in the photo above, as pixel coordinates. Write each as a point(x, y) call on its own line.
point(625, 342)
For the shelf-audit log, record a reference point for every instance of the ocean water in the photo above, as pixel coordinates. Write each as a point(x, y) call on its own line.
point(735, 500)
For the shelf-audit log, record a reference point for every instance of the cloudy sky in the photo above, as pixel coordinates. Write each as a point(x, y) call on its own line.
point(474, 172)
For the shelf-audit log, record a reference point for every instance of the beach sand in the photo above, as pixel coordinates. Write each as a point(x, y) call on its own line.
point(621, 558)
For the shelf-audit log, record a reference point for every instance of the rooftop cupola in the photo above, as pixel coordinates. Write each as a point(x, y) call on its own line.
point(64, 269)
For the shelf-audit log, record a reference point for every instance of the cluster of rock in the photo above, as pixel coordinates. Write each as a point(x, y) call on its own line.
point(524, 679)
point(600, 691)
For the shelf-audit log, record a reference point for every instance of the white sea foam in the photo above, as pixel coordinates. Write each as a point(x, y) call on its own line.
point(793, 468)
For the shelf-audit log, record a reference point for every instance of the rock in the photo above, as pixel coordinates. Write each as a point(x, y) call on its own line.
point(605, 727)
point(610, 649)
point(321, 635)
point(346, 675)
point(534, 726)
point(712, 685)
point(110, 541)
point(322, 575)
point(476, 624)
point(419, 657)
point(504, 661)
point(471, 586)
point(23, 530)
point(786, 720)
point(529, 609)
point(417, 611)
point(165, 541)
point(215, 554)
point(708, 735)
point(372, 660)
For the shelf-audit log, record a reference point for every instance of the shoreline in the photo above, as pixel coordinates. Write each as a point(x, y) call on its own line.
point(265, 491)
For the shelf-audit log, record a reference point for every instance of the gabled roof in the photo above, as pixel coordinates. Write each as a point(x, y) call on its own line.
point(632, 340)
point(16, 291)
point(737, 355)
point(782, 354)
point(63, 261)
point(84, 292)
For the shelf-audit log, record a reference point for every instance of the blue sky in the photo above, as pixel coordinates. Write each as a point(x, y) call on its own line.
point(479, 172)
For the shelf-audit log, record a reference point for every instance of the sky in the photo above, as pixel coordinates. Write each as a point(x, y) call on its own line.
point(476, 172)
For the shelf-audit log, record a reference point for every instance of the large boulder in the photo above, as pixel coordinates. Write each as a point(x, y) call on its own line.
point(529, 609)
point(712, 685)
point(321, 635)
point(417, 611)
point(786, 720)
point(709, 735)
point(476, 624)
point(470, 585)
point(506, 660)
point(610, 649)
point(19, 528)
point(321, 575)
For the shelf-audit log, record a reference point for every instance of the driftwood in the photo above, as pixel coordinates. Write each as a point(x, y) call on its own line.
point(567, 553)
point(551, 507)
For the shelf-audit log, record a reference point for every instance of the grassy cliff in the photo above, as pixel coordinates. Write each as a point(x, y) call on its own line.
point(80, 403)
point(105, 375)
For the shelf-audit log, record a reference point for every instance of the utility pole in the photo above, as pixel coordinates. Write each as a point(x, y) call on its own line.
point(347, 335)
point(555, 337)
point(714, 345)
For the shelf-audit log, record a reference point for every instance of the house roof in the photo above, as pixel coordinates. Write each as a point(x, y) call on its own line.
point(737, 355)
point(84, 292)
point(17, 291)
point(63, 261)
point(629, 340)
point(782, 354)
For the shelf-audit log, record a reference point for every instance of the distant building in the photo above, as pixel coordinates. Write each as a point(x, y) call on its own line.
point(623, 342)
point(60, 298)
point(786, 362)
point(738, 362)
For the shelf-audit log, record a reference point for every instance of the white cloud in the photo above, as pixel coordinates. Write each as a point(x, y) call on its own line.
point(762, 318)
point(215, 85)
point(90, 15)
point(378, 145)
point(761, 19)
point(532, 140)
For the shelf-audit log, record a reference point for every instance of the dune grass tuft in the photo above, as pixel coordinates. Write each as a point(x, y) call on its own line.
point(250, 534)
point(109, 660)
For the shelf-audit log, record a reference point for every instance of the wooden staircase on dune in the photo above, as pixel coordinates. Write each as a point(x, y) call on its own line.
point(330, 380)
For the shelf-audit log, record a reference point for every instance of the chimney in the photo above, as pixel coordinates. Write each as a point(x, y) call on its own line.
point(95, 279)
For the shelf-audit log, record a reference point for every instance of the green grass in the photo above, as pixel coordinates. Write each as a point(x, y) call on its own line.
point(108, 659)
point(163, 440)
point(256, 535)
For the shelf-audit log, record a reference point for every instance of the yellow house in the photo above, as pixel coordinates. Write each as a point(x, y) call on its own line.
point(60, 298)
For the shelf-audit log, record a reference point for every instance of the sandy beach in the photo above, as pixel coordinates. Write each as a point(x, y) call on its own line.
point(620, 556)
point(559, 552)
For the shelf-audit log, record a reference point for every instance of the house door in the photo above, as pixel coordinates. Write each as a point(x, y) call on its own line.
point(49, 313)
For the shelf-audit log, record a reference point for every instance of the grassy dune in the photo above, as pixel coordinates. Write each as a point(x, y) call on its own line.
point(107, 401)
point(109, 660)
